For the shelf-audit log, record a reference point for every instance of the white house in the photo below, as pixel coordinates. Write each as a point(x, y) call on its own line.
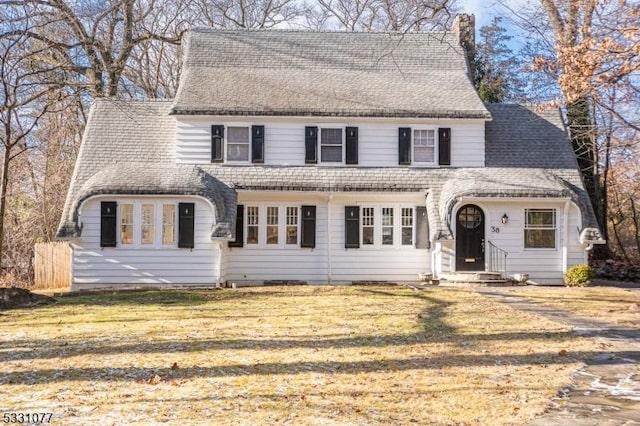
point(323, 157)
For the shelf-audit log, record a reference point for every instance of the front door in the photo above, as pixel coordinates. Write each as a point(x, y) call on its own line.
point(470, 239)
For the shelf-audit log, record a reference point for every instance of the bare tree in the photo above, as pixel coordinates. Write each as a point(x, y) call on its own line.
point(92, 42)
point(382, 15)
point(24, 101)
point(246, 13)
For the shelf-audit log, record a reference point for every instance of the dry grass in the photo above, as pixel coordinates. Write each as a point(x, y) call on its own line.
point(296, 355)
point(614, 305)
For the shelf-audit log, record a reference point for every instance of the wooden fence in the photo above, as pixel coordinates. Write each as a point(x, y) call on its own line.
point(52, 265)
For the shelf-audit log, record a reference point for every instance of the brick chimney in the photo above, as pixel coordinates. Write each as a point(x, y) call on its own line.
point(464, 27)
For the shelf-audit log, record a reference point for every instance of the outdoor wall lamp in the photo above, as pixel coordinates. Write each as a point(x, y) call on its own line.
point(505, 219)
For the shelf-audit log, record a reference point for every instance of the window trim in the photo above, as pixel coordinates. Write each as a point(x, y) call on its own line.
point(554, 228)
point(434, 163)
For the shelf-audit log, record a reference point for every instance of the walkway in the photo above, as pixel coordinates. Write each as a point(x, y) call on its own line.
point(607, 391)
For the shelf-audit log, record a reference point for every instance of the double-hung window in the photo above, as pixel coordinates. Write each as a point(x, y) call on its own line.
point(387, 226)
point(238, 143)
point(147, 229)
point(540, 228)
point(368, 226)
point(272, 225)
point(331, 145)
point(424, 146)
point(292, 225)
point(253, 225)
point(126, 224)
point(168, 224)
point(382, 226)
point(407, 226)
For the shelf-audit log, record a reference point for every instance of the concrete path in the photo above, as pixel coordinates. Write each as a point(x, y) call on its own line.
point(607, 391)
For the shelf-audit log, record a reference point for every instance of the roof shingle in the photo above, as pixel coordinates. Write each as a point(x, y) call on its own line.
point(302, 73)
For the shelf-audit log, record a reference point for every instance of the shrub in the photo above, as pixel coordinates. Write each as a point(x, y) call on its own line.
point(578, 276)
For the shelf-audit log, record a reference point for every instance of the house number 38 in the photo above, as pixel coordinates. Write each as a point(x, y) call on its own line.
point(495, 229)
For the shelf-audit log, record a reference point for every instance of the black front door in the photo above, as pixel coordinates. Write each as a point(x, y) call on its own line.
point(470, 239)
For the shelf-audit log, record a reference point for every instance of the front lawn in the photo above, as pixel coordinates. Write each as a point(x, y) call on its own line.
point(617, 306)
point(284, 355)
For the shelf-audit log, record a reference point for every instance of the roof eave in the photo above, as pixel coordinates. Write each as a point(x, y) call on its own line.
point(483, 115)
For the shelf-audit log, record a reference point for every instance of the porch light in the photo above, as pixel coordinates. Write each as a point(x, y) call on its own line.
point(504, 219)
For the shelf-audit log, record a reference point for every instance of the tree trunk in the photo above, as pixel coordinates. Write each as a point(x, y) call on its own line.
point(3, 197)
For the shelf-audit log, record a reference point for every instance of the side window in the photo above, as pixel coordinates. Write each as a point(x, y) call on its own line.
point(540, 228)
point(126, 224)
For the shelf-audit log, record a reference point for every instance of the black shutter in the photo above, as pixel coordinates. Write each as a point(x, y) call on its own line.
point(444, 146)
point(185, 224)
point(404, 145)
point(352, 226)
point(352, 145)
point(108, 223)
point(422, 228)
point(257, 144)
point(217, 135)
point(239, 241)
point(310, 145)
point(308, 237)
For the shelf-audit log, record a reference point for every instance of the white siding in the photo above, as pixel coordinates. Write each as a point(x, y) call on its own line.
point(258, 263)
point(94, 266)
point(377, 140)
point(545, 266)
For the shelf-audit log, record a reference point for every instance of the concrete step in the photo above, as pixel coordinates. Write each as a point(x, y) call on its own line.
point(470, 276)
point(463, 279)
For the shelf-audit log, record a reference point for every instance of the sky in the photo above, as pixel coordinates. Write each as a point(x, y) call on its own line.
point(486, 10)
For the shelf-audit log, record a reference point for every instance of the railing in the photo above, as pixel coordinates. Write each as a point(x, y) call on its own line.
point(497, 259)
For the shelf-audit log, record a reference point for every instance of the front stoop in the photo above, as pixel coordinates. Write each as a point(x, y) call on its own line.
point(475, 279)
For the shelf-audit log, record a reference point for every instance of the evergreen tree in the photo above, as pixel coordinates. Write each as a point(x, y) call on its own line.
point(497, 69)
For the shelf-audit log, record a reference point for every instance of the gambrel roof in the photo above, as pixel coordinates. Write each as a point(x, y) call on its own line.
point(128, 148)
point(346, 74)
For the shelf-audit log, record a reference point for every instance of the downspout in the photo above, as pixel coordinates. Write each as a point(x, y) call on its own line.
point(565, 244)
point(329, 272)
point(219, 280)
